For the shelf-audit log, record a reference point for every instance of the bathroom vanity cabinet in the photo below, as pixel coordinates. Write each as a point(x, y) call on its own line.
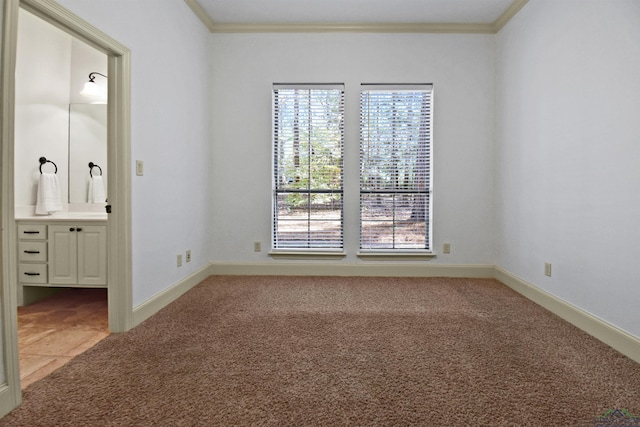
point(77, 254)
point(62, 254)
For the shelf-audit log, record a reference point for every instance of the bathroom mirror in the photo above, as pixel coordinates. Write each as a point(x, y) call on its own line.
point(87, 143)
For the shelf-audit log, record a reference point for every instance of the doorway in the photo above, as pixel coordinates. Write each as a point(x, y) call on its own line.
point(118, 235)
point(53, 119)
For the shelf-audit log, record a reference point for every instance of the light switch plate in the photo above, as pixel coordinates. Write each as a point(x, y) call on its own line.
point(139, 167)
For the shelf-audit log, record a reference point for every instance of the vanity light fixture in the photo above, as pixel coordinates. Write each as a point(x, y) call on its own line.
point(91, 87)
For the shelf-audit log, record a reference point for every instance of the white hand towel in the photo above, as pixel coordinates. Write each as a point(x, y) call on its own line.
point(96, 190)
point(48, 198)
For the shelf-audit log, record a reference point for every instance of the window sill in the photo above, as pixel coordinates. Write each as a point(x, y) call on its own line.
point(393, 255)
point(302, 254)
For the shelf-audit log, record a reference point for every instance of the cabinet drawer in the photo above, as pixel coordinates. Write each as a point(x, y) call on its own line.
point(32, 251)
point(32, 273)
point(32, 231)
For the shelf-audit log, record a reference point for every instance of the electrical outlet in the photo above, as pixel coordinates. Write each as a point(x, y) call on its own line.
point(257, 247)
point(188, 257)
point(547, 269)
point(179, 260)
point(446, 248)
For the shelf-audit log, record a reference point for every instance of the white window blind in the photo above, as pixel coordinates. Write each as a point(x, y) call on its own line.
point(308, 137)
point(395, 167)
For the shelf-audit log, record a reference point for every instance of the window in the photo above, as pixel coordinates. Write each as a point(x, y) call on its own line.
point(308, 139)
point(395, 167)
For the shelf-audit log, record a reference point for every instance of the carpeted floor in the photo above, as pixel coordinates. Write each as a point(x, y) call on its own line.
point(308, 351)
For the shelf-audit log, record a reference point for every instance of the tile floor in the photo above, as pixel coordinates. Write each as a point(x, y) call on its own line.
point(55, 330)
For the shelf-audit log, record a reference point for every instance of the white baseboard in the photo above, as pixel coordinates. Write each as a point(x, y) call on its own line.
point(620, 340)
point(9, 399)
point(157, 302)
point(341, 269)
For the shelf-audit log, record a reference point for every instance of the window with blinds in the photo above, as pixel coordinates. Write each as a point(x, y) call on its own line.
point(395, 167)
point(308, 137)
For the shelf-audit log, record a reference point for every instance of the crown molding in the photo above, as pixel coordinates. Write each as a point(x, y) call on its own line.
point(357, 27)
point(508, 14)
point(354, 27)
point(201, 14)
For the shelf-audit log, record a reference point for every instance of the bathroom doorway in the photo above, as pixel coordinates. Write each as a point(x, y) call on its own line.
point(60, 115)
point(118, 223)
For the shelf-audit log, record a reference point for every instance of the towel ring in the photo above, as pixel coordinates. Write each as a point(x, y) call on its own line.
point(44, 160)
point(91, 166)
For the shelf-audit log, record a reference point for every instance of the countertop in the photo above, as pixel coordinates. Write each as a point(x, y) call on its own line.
point(89, 213)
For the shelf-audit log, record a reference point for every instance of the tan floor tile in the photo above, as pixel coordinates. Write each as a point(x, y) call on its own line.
point(28, 336)
point(54, 363)
point(92, 340)
point(64, 342)
point(29, 363)
point(53, 331)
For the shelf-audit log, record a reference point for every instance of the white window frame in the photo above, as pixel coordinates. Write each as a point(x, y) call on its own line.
point(282, 246)
point(395, 249)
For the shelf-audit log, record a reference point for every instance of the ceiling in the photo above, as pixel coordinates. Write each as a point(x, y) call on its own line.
point(355, 15)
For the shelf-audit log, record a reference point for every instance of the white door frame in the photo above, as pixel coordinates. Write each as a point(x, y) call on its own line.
point(118, 167)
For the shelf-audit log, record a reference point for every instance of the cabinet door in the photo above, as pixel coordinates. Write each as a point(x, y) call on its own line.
point(63, 259)
point(92, 255)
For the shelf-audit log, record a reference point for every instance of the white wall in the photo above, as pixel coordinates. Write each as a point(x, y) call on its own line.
point(84, 60)
point(87, 130)
point(461, 67)
point(42, 105)
point(51, 69)
point(169, 132)
point(87, 143)
point(568, 153)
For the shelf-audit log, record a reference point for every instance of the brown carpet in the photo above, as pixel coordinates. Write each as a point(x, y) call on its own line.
point(304, 351)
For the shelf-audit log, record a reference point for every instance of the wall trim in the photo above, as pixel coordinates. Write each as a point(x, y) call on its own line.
point(356, 27)
point(620, 340)
point(201, 14)
point(415, 269)
point(160, 300)
point(7, 400)
point(10, 391)
point(508, 14)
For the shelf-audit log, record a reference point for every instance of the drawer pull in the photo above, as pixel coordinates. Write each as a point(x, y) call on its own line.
point(31, 232)
point(31, 252)
point(31, 274)
point(79, 229)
